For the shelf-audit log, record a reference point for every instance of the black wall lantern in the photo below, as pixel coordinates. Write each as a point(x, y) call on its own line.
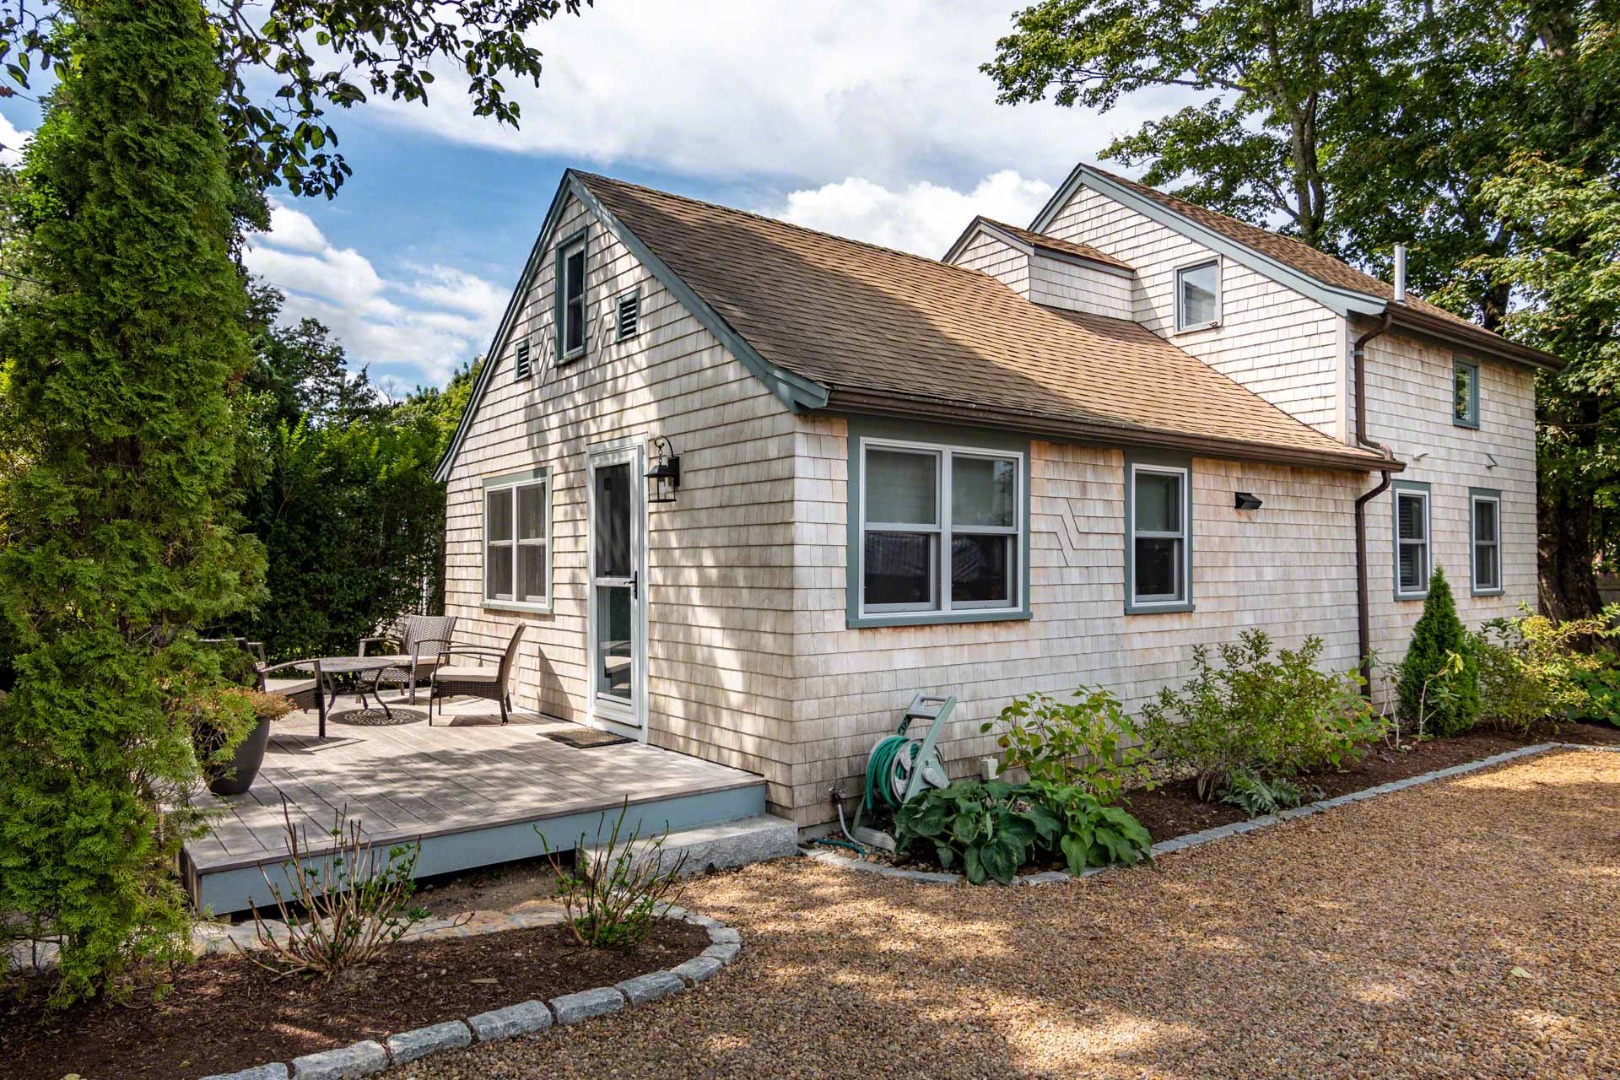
point(1245, 501)
point(665, 473)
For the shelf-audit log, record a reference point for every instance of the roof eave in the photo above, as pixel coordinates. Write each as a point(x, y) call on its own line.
point(1483, 341)
point(1063, 429)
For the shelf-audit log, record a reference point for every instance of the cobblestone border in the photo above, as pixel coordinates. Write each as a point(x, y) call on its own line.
point(1191, 840)
point(525, 1018)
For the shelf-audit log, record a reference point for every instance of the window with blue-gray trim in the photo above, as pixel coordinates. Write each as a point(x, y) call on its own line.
point(517, 540)
point(1158, 533)
point(570, 288)
point(1413, 556)
point(1485, 541)
point(939, 526)
point(1465, 393)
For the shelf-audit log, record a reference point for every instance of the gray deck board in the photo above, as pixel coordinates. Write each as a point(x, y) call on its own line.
point(411, 781)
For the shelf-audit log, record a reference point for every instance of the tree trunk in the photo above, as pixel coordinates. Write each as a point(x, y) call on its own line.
point(1568, 584)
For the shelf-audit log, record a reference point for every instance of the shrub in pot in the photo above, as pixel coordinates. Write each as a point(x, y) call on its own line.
point(230, 727)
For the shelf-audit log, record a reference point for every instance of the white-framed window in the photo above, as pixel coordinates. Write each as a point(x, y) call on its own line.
point(1158, 538)
point(1198, 296)
point(941, 530)
point(571, 333)
point(517, 541)
point(1485, 529)
point(1413, 558)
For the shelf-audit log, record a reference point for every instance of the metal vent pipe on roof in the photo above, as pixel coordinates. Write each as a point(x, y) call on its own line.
point(1400, 273)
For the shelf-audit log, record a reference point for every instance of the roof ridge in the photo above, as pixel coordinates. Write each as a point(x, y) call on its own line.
point(778, 222)
point(1178, 202)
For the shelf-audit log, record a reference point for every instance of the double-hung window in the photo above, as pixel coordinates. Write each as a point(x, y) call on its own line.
point(1485, 527)
point(1198, 296)
point(1412, 552)
point(571, 298)
point(1158, 537)
point(941, 531)
point(517, 541)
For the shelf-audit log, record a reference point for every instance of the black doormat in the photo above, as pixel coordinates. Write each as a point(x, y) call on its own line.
point(586, 738)
point(377, 718)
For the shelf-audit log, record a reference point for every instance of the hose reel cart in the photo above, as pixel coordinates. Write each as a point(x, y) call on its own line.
point(901, 766)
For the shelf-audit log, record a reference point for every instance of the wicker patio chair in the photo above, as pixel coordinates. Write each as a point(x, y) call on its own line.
point(423, 638)
point(485, 681)
point(305, 692)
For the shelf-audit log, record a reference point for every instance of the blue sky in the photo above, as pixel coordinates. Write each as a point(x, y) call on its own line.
point(868, 120)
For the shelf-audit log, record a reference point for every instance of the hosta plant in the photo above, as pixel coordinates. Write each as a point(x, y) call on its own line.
point(990, 829)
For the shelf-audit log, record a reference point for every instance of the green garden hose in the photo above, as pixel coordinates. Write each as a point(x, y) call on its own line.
point(881, 769)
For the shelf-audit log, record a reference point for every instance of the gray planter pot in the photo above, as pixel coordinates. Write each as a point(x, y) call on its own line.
point(237, 777)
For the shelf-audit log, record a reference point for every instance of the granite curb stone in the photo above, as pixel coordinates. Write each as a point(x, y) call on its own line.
point(524, 1018)
point(357, 1059)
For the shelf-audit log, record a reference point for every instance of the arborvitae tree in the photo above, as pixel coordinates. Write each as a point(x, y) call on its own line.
point(120, 343)
point(1445, 701)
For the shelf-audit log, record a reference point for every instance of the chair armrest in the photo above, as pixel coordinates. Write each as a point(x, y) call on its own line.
point(256, 648)
point(417, 650)
point(264, 670)
point(473, 650)
point(373, 640)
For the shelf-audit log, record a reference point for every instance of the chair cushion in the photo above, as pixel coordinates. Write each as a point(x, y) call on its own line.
point(453, 673)
point(289, 687)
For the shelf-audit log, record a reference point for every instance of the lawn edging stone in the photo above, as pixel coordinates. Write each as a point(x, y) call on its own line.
point(524, 1018)
point(1204, 836)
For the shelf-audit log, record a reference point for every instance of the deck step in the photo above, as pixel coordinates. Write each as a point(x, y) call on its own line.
point(722, 846)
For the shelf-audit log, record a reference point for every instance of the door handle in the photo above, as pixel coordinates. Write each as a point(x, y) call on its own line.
point(635, 590)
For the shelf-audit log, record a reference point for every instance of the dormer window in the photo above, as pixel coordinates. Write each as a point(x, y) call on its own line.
point(571, 298)
point(1198, 296)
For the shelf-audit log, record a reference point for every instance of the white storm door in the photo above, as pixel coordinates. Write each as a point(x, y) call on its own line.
point(617, 623)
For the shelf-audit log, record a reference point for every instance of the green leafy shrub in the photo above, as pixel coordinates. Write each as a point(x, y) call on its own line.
point(341, 909)
point(615, 894)
point(991, 829)
point(1267, 717)
point(1092, 743)
point(1438, 682)
point(220, 719)
point(1532, 668)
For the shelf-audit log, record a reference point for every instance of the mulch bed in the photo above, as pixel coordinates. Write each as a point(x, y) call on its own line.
point(1173, 810)
point(224, 1013)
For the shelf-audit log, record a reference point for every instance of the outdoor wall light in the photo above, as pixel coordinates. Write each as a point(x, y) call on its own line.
point(1245, 501)
point(665, 473)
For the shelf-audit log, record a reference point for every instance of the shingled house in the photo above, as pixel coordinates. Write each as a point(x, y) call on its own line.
point(1062, 454)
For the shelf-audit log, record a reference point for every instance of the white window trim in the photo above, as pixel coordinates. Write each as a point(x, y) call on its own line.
point(1474, 544)
point(1220, 280)
point(511, 603)
point(1184, 535)
point(564, 255)
point(944, 528)
point(1427, 543)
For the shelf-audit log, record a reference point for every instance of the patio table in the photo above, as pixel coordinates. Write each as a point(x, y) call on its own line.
point(358, 666)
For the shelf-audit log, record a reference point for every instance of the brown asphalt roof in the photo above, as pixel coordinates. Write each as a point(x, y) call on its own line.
point(886, 331)
point(1052, 243)
point(1323, 267)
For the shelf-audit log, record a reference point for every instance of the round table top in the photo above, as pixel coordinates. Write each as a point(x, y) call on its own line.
point(341, 665)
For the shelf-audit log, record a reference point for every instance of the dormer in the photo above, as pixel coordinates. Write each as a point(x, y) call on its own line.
point(1045, 270)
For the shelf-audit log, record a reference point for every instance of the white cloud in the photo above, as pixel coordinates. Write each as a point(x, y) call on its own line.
point(414, 329)
point(923, 218)
point(794, 95)
point(12, 142)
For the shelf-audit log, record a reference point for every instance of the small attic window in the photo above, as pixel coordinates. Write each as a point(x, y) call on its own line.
point(1198, 296)
point(522, 366)
point(628, 320)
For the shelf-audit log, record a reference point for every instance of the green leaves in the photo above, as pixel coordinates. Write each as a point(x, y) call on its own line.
point(1438, 681)
point(1092, 742)
point(1271, 715)
point(994, 829)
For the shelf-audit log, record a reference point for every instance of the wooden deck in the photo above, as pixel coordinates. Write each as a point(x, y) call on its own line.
point(472, 792)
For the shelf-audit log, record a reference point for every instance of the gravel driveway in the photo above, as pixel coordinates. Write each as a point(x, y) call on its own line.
point(1469, 928)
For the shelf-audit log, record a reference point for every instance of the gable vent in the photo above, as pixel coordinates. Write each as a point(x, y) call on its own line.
point(522, 367)
point(629, 316)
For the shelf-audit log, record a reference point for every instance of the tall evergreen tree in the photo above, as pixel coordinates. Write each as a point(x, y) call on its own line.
point(119, 348)
point(1439, 679)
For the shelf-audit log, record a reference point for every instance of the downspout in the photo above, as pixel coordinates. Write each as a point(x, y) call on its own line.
point(1358, 355)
